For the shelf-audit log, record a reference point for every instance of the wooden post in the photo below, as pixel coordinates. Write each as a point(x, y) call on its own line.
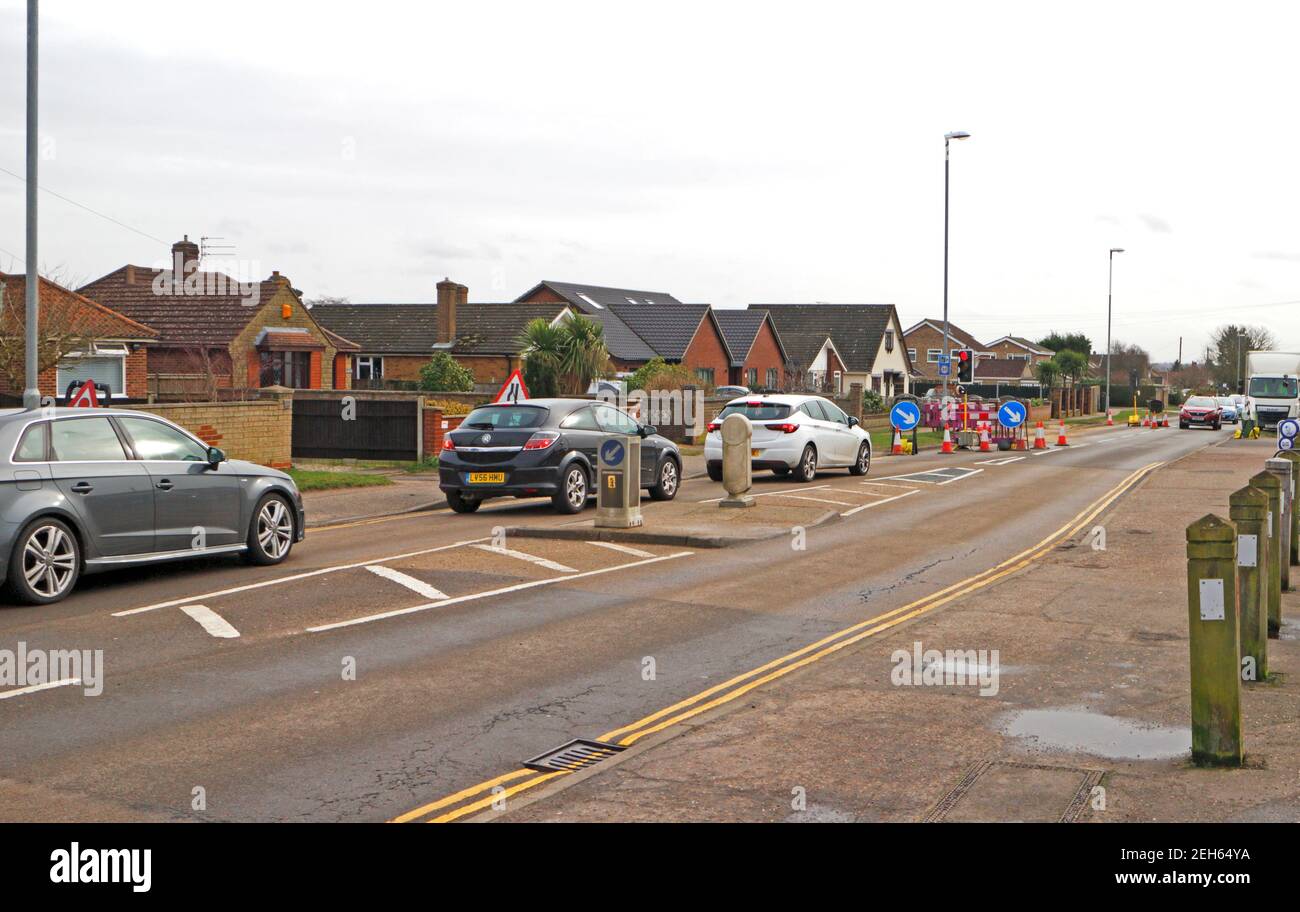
point(1212, 619)
point(1270, 485)
point(1282, 468)
point(1249, 513)
point(1294, 459)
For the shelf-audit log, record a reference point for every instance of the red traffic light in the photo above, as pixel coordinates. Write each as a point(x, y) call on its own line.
point(963, 355)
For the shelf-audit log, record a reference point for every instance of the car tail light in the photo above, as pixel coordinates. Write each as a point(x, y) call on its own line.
point(541, 440)
point(714, 425)
point(786, 428)
point(448, 443)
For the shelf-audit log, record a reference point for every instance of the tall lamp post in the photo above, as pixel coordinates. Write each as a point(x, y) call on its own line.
point(1110, 294)
point(32, 393)
point(947, 346)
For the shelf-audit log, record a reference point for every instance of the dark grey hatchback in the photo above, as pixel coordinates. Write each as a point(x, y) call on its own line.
point(545, 448)
point(84, 490)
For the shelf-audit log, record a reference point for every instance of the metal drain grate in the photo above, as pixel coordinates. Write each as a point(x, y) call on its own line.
point(578, 754)
point(1062, 801)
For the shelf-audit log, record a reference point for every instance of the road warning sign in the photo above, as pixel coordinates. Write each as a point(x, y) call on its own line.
point(86, 397)
point(513, 390)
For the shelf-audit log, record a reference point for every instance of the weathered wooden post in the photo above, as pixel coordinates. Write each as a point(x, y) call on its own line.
point(1213, 637)
point(1270, 485)
point(1282, 469)
point(1249, 513)
point(1294, 458)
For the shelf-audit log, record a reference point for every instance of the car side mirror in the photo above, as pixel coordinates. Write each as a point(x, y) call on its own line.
point(216, 456)
point(648, 429)
point(853, 421)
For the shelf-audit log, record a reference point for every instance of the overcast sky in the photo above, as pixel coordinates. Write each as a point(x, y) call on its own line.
point(723, 152)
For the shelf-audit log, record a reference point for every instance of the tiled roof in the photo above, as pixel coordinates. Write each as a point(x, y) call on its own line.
point(621, 342)
point(411, 329)
point(1023, 343)
point(856, 329)
point(588, 298)
point(181, 319)
point(97, 320)
point(802, 347)
point(624, 341)
point(667, 328)
point(740, 329)
point(958, 335)
point(999, 369)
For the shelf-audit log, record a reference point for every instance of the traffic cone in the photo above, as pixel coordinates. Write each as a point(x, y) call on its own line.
point(1060, 437)
point(898, 443)
point(1110, 422)
point(947, 442)
point(984, 439)
point(1040, 437)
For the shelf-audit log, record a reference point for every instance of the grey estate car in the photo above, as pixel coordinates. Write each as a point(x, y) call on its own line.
point(84, 490)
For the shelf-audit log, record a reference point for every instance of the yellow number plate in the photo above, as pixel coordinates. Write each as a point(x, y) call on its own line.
point(487, 477)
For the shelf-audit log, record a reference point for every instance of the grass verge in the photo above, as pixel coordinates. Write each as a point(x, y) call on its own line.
point(324, 480)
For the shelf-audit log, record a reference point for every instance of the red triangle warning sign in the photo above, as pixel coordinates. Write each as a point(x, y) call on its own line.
point(86, 397)
point(513, 390)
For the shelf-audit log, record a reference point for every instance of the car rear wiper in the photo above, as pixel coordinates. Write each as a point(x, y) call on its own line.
point(481, 424)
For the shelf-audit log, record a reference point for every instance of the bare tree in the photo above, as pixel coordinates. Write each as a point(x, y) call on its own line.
point(60, 333)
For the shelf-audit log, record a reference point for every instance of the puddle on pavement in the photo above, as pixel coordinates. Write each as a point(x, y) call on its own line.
point(1093, 733)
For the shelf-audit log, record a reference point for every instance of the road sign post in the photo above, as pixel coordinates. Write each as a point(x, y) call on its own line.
point(1272, 487)
point(1248, 511)
point(618, 494)
point(1213, 636)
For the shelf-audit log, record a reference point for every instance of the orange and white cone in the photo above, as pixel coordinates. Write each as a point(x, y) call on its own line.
point(984, 439)
point(947, 442)
point(1060, 437)
point(1040, 437)
point(898, 443)
point(1110, 422)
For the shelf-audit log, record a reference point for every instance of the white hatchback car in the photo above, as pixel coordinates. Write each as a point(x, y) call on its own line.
point(798, 434)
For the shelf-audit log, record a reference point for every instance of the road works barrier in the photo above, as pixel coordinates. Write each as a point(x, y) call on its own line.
point(1213, 636)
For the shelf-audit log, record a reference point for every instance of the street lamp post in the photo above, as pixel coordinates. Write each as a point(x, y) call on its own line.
point(32, 393)
point(947, 346)
point(1110, 295)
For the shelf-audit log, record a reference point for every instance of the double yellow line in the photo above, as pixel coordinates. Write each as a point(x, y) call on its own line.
point(742, 684)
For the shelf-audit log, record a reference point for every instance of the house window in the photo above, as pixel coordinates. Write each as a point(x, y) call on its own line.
point(369, 367)
point(932, 355)
point(107, 367)
point(889, 340)
point(704, 375)
point(839, 382)
point(752, 378)
point(911, 354)
point(286, 368)
point(773, 378)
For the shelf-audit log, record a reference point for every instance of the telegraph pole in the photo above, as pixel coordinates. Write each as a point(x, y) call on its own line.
point(32, 392)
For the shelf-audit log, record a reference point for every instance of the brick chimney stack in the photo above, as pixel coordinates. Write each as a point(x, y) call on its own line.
point(450, 296)
point(184, 252)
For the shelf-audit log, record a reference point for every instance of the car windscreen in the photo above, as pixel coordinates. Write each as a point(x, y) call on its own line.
point(505, 417)
point(1273, 387)
point(1226, 401)
point(757, 411)
point(1200, 402)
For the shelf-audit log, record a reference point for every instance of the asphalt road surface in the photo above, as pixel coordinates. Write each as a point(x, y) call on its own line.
point(391, 663)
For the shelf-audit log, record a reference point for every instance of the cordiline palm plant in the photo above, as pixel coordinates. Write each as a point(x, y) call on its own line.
point(564, 358)
point(585, 355)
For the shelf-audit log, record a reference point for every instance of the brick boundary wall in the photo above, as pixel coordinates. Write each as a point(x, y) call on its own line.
point(433, 430)
point(259, 431)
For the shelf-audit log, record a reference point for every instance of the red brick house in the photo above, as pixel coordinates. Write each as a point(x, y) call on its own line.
point(99, 344)
point(759, 358)
point(395, 340)
point(924, 343)
point(640, 325)
point(216, 332)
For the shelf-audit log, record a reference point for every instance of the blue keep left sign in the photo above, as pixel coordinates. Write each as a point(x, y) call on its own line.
point(1288, 427)
point(1012, 414)
point(905, 415)
point(611, 452)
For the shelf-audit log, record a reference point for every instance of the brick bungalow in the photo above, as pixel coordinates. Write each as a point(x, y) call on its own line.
point(813, 363)
point(758, 357)
point(214, 332)
point(396, 340)
point(111, 348)
point(1016, 348)
point(924, 343)
point(1016, 371)
point(867, 338)
point(640, 325)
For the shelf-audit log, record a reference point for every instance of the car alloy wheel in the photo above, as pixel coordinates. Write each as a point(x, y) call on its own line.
point(863, 463)
point(49, 561)
point(274, 528)
point(666, 489)
point(808, 464)
point(575, 488)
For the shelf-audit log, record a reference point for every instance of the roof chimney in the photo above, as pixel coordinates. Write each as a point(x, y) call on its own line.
point(184, 253)
point(450, 295)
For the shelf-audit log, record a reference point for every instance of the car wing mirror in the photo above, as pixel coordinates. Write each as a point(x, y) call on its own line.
point(648, 429)
point(216, 456)
point(853, 421)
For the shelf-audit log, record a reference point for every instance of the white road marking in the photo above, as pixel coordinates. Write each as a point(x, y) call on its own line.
point(771, 493)
point(518, 587)
point(210, 621)
point(62, 682)
point(530, 558)
point(1005, 460)
point(1059, 449)
point(292, 578)
point(615, 546)
point(403, 579)
point(838, 503)
point(877, 503)
point(883, 485)
point(969, 473)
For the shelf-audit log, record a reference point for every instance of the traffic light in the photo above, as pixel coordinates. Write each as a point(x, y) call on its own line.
point(965, 365)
